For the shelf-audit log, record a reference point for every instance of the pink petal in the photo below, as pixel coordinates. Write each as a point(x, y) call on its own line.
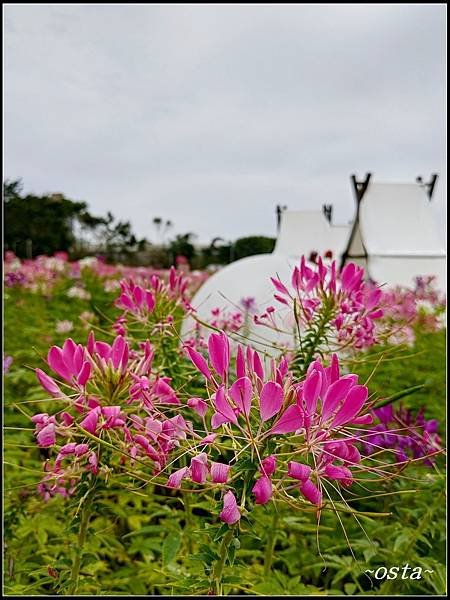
point(103, 350)
point(198, 405)
point(240, 363)
point(341, 474)
point(66, 418)
point(311, 492)
point(68, 350)
point(230, 513)
point(271, 400)
point(257, 365)
point(347, 276)
point(208, 439)
point(165, 393)
point(336, 394)
point(56, 362)
point(282, 289)
point(46, 436)
point(363, 420)
point(299, 471)
point(199, 362)
point(145, 444)
point(81, 449)
point(90, 421)
point(268, 465)
point(219, 353)
point(290, 421)
point(223, 407)
point(117, 351)
point(311, 391)
point(219, 472)
point(262, 490)
point(78, 359)
point(48, 384)
point(199, 468)
point(217, 420)
point(334, 368)
point(352, 405)
point(93, 463)
point(150, 301)
point(91, 343)
point(176, 478)
point(241, 392)
point(84, 374)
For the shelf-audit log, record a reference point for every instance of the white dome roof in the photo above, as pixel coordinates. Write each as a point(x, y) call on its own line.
point(247, 277)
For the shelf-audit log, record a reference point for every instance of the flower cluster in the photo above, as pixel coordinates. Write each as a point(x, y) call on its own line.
point(406, 435)
point(264, 410)
point(112, 391)
point(322, 299)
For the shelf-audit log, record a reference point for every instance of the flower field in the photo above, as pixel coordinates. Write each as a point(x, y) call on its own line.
point(142, 462)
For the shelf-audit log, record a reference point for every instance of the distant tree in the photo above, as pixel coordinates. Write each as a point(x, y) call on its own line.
point(182, 246)
point(45, 224)
point(248, 246)
point(38, 224)
point(117, 238)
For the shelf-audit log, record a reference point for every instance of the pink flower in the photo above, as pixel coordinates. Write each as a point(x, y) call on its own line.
point(219, 353)
point(271, 400)
point(298, 471)
point(262, 490)
point(46, 436)
point(177, 477)
point(199, 362)
point(219, 472)
point(48, 383)
point(198, 405)
point(230, 513)
point(268, 465)
point(199, 468)
point(90, 421)
point(241, 393)
point(341, 474)
point(311, 492)
point(290, 421)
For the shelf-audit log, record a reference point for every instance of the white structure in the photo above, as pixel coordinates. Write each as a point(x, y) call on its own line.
point(301, 232)
point(305, 231)
point(394, 235)
point(247, 277)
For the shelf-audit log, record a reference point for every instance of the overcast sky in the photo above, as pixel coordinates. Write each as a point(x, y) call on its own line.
point(210, 116)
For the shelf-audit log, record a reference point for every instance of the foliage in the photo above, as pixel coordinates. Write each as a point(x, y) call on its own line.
point(142, 538)
point(248, 246)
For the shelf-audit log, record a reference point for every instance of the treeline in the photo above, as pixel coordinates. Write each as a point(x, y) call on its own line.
point(36, 225)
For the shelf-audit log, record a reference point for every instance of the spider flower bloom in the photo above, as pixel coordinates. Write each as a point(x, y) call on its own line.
point(198, 405)
point(268, 465)
point(48, 384)
point(199, 468)
point(199, 362)
point(311, 492)
point(177, 477)
point(262, 490)
point(219, 472)
point(230, 513)
point(219, 353)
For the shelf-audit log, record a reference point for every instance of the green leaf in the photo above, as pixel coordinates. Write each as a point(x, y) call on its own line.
point(170, 547)
point(402, 394)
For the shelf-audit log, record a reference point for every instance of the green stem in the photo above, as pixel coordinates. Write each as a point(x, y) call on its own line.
point(81, 538)
point(305, 353)
point(218, 569)
point(268, 557)
point(188, 517)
